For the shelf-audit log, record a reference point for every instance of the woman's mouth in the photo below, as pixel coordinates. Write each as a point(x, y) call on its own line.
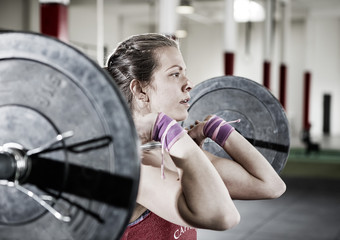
point(185, 101)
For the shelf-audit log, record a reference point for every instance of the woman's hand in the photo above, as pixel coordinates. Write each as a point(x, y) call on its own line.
point(196, 131)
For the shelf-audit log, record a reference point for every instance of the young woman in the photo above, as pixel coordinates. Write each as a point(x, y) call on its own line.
point(182, 187)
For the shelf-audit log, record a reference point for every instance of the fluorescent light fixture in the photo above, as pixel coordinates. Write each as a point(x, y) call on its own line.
point(184, 7)
point(65, 2)
point(248, 11)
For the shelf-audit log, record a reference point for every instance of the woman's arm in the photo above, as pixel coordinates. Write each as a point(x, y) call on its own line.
point(199, 198)
point(249, 176)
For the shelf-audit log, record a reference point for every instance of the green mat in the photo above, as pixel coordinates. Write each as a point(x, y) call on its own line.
point(322, 164)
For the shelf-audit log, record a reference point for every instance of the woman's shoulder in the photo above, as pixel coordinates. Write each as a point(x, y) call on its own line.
point(138, 212)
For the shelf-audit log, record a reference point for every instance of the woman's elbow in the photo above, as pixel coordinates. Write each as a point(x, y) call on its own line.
point(281, 189)
point(275, 190)
point(231, 222)
point(227, 221)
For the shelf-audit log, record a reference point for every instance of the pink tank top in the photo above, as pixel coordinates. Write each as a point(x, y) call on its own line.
point(150, 226)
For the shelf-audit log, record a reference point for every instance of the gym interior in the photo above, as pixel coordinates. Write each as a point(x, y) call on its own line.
point(291, 47)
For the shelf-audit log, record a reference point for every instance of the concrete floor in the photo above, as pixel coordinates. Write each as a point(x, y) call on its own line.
point(309, 210)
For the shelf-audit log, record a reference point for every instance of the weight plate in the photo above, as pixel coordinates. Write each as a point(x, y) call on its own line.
point(48, 88)
point(263, 120)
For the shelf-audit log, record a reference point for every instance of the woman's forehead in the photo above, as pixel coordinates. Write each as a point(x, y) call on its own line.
point(169, 57)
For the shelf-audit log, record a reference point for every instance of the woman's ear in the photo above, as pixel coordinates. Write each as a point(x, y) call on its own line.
point(138, 91)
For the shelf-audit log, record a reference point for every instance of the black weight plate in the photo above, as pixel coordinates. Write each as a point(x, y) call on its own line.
point(47, 88)
point(263, 120)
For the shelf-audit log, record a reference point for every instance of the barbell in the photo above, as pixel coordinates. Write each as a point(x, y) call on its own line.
point(260, 117)
point(69, 151)
point(64, 112)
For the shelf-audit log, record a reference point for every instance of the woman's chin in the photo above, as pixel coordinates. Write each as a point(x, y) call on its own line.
point(181, 117)
point(178, 116)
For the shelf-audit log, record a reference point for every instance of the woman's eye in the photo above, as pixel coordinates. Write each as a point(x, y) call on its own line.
point(175, 75)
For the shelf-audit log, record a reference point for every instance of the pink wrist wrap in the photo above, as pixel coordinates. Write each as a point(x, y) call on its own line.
point(218, 130)
point(167, 131)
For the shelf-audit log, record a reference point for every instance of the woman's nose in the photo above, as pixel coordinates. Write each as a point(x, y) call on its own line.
point(188, 85)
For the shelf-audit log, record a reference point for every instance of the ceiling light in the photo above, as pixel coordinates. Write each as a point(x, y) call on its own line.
point(181, 34)
point(185, 7)
point(248, 11)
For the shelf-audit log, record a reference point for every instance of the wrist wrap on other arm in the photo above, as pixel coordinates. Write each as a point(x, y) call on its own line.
point(217, 129)
point(167, 131)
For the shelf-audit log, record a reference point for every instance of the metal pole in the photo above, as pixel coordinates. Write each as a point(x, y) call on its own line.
point(267, 43)
point(285, 30)
point(229, 37)
point(100, 32)
point(54, 19)
point(167, 16)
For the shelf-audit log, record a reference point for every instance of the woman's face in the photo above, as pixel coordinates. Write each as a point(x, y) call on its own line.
point(169, 88)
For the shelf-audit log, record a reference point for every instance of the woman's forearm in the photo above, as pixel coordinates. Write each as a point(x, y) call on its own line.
point(255, 164)
point(204, 199)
